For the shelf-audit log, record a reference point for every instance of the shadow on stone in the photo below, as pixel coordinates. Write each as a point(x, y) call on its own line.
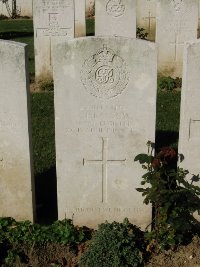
point(46, 197)
point(166, 138)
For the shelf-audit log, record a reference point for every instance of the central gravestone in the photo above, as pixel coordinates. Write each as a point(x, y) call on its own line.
point(115, 18)
point(53, 23)
point(105, 99)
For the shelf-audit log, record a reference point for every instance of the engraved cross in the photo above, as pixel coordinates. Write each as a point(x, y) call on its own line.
point(176, 44)
point(104, 162)
point(149, 19)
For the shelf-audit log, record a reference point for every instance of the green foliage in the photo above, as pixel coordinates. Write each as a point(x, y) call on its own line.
point(43, 131)
point(178, 82)
point(16, 235)
point(173, 197)
point(90, 26)
point(141, 34)
point(47, 85)
point(169, 83)
point(115, 245)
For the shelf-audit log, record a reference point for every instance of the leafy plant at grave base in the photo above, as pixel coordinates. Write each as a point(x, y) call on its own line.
point(18, 235)
point(173, 197)
point(169, 83)
point(47, 85)
point(115, 245)
point(141, 34)
point(178, 82)
point(166, 83)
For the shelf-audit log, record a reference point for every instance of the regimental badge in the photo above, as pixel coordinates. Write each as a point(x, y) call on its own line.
point(105, 74)
point(177, 4)
point(115, 8)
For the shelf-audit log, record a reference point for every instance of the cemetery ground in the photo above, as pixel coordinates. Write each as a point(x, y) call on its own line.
point(60, 243)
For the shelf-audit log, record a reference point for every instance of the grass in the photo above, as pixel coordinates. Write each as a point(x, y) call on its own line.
point(167, 121)
point(42, 110)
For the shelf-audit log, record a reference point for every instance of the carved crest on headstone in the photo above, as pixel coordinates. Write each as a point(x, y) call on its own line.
point(104, 74)
point(177, 4)
point(115, 8)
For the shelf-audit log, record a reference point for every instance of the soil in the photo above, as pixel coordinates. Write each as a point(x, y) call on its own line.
point(52, 254)
point(184, 256)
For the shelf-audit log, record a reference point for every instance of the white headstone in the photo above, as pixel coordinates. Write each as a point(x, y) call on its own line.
point(177, 22)
point(105, 101)
point(15, 149)
point(146, 17)
point(189, 134)
point(53, 23)
point(115, 18)
point(80, 25)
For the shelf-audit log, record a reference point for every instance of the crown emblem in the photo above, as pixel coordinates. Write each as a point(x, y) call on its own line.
point(104, 56)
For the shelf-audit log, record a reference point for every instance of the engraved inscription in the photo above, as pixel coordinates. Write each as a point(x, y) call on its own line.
point(54, 5)
point(103, 209)
point(102, 119)
point(177, 4)
point(150, 18)
point(104, 74)
point(115, 8)
point(53, 29)
point(104, 162)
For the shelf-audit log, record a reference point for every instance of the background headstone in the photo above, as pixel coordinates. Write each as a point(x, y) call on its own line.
point(189, 133)
point(80, 24)
point(105, 107)
point(53, 22)
point(16, 188)
point(176, 23)
point(23, 6)
point(89, 7)
point(146, 17)
point(115, 18)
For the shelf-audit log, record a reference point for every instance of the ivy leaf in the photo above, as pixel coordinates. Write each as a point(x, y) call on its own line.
point(143, 158)
point(140, 189)
point(195, 178)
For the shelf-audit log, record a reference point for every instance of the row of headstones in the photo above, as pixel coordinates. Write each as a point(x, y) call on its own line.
point(176, 23)
point(105, 111)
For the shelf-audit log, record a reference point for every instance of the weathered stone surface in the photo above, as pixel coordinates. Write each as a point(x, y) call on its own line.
point(16, 189)
point(146, 17)
point(189, 133)
point(115, 18)
point(105, 101)
point(53, 23)
point(80, 25)
point(177, 22)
